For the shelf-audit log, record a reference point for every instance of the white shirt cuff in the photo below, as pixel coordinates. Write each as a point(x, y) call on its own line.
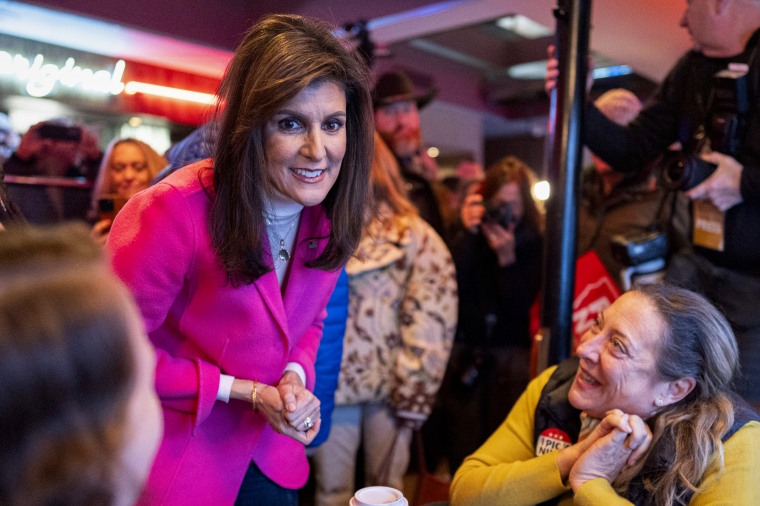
point(225, 387)
point(296, 368)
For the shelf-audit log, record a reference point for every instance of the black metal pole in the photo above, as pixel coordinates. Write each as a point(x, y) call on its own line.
point(568, 103)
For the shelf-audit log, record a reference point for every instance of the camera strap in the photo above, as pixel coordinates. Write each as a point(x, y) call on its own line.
point(659, 222)
point(704, 104)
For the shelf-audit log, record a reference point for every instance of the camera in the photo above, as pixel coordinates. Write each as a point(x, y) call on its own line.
point(681, 172)
point(723, 130)
point(60, 132)
point(639, 247)
point(500, 214)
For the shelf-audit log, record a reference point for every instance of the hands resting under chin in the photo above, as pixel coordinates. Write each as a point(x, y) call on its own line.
point(617, 443)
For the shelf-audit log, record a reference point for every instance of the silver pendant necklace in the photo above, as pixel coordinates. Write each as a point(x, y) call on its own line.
point(283, 254)
point(279, 244)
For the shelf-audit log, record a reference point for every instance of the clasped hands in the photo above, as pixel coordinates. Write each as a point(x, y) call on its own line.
point(288, 407)
point(618, 442)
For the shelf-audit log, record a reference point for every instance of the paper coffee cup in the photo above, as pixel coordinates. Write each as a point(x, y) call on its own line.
point(378, 496)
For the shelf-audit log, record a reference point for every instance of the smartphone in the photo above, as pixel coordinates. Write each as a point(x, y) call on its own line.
point(60, 132)
point(109, 207)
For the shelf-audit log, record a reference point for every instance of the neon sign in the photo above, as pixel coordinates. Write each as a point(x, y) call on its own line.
point(42, 78)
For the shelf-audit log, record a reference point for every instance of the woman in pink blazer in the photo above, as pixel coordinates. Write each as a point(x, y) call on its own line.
point(232, 260)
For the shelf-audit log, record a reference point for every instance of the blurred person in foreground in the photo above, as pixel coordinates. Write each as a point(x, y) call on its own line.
point(402, 314)
point(232, 259)
point(497, 253)
point(128, 167)
point(80, 421)
point(644, 414)
point(709, 103)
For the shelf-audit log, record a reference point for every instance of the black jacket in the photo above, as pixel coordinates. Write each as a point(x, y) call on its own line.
point(676, 111)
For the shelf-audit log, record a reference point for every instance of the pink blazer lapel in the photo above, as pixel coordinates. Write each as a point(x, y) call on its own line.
point(311, 239)
point(269, 289)
point(313, 234)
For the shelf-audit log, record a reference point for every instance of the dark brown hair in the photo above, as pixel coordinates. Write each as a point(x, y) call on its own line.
point(66, 366)
point(279, 57)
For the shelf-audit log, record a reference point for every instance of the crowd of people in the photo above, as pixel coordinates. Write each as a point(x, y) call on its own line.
point(294, 289)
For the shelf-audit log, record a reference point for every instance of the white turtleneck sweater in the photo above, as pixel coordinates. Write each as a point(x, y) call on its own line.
point(281, 216)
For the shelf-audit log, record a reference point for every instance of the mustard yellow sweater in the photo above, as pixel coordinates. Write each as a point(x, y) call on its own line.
point(506, 472)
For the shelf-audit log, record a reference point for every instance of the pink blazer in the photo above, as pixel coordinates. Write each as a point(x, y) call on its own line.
point(201, 327)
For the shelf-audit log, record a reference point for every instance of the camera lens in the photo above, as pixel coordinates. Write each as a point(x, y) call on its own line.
point(673, 169)
point(696, 170)
point(680, 172)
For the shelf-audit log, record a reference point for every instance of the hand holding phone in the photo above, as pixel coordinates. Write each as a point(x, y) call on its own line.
point(60, 132)
point(109, 207)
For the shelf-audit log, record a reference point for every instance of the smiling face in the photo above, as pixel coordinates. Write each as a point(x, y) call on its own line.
point(617, 360)
point(305, 142)
point(129, 170)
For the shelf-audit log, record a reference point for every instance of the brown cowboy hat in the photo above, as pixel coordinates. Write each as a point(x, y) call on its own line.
point(395, 86)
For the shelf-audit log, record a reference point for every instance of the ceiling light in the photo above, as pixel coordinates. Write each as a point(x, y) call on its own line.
point(612, 71)
point(530, 70)
point(523, 26)
point(537, 70)
point(133, 87)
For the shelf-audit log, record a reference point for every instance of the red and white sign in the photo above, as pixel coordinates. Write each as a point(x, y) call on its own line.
point(595, 291)
point(551, 440)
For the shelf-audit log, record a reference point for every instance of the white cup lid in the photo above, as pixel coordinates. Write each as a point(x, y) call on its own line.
point(378, 496)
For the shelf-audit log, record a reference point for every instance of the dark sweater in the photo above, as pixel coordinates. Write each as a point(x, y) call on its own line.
point(494, 301)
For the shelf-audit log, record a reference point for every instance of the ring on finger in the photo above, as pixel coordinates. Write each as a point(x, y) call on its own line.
point(307, 423)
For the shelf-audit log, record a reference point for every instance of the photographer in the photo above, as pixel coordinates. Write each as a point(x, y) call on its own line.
point(699, 108)
point(497, 253)
point(619, 206)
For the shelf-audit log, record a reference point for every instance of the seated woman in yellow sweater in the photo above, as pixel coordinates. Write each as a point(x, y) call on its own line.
point(643, 415)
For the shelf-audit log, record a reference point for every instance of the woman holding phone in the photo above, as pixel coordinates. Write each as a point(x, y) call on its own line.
point(128, 167)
